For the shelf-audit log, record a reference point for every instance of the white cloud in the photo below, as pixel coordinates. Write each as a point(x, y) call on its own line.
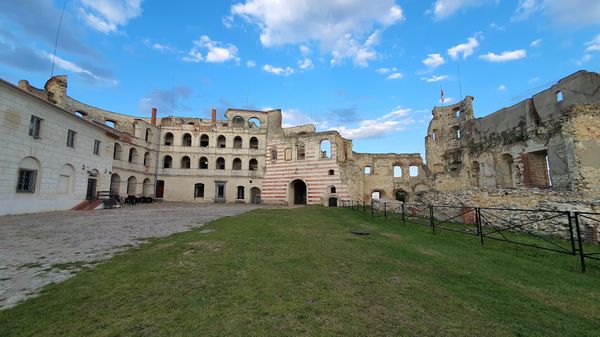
point(433, 61)
point(434, 78)
point(305, 64)
point(160, 47)
point(497, 27)
point(278, 70)
point(446, 100)
point(294, 117)
point(504, 56)
point(383, 71)
point(216, 52)
point(304, 50)
point(593, 44)
point(395, 76)
point(395, 120)
point(107, 15)
point(502, 87)
point(347, 29)
point(573, 12)
point(525, 8)
point(75, 68)
point(250, 63)
point(535, 43)
point(444, 8)
point(584, 59)
point(466, 49)
point(533, 80)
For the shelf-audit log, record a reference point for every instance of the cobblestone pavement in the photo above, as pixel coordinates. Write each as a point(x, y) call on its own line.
point(43, 248)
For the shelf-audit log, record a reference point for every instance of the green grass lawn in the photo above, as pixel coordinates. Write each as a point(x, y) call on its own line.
point(300, 272)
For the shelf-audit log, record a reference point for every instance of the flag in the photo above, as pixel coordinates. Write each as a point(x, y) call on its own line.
point(442, 94)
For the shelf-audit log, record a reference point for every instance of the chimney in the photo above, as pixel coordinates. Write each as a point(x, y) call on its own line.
point(153, 121)
point(214, 116)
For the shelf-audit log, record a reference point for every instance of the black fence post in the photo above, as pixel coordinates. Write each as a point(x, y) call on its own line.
point(385, 210)
point(431, 220)
point(571, 237)
point(372, 213)
point(364, 207)
point(403, 218)
point(479, 225)
point(579, 241)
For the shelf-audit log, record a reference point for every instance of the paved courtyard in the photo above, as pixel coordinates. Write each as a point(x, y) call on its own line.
point(43, 248)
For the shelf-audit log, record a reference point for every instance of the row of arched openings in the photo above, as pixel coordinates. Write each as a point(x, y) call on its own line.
point(186, 140)
point(132, 155)
point(203, 163)
point(131, 187)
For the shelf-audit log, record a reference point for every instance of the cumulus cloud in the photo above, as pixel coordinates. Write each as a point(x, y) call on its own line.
point(593, 44)
point(279, 71)
point(396, 120)
point(215, 52)
point(466, 49)
point(525, 8)
point(347, 29)
point(502, 87)
point(504, 56)
point(395, 76)
point(250, 63)
point(433, 61)
point(305, 64)
point(444, 8)
point(572, 13)
point(535, 43)
point(165, 48)
point(106, 16)
point(434, 78)
point(383, 71)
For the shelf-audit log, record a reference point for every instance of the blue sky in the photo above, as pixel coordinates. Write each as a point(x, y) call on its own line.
point(371, 69)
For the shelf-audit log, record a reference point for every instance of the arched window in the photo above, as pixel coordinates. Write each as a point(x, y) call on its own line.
point(240, 193)
point(273, 154)
point(367, 170)
point(220, 163)
point(199, 190)
point(203, 164)
point(253, 165)
point(331, 172)
point(375, 195)
point(204, 140)
point(254, 143)
point(325, 149)
point(238, 121)
point(149, 135)
point(254, 122)
point(168, 138)
point(332, 189)
point(167, 162)
point(117, 152)
point(559, 96)
point(237, 164)
point(133, 156)
point(237, 142)
point(28, 173)
point(221, 141)
point(185, 162)
point(147, 158)
point(186, 140)
point(110, 123)
point(413, 171)
point(397, 171)
point(147, 187)
point(115, 183)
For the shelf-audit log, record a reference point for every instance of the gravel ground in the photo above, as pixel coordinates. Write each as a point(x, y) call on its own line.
point(43, 248)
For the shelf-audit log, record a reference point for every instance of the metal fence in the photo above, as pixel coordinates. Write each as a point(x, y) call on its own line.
point(563, 232)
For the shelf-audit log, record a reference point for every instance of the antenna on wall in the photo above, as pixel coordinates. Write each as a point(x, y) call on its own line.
point(62, 14)
point(459, 80)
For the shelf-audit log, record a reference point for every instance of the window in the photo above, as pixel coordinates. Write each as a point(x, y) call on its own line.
point(375, 195)
point(326, 149)
point(413, 171)
point(221, 141)
point(199, 191)
point(332, 189)
point(254, 143)
point(237, 164)
point(187, 140)
point(237, 142)
point(147, 159)
point(185, 162)
point(204, 141)
point(97, 147)
point(559, 96)
point(273, 154)
point(397, 171)
point(132, 155)
point(34, 127)
point(240, 192)
point(167, 162)
point(220, 190)
point(148, 135)
point(300, 153)
point(238, 121)
point(253, 165)
point(168, 138)
point(220, 163)
point(26, 181)
point(71, 138)
point(254, 122)
point(367, 170)
point(203, 163)
point(288, 154)
point(331, 172)
point(117, 152)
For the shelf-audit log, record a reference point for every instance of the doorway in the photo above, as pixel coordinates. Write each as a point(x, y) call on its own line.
point(298, 192)
point(91, 189)
point(160, 188)
point(332, 202)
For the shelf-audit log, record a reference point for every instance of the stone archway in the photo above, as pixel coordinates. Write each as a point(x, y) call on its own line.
point(297, 192)
point(255, 195)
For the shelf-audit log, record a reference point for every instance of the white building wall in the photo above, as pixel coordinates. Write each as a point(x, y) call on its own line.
point(51, 152)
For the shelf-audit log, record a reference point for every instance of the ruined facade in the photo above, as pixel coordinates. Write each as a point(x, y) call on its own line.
point(540, 153)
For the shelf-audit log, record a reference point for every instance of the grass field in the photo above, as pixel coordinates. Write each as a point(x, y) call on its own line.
point(300, 272)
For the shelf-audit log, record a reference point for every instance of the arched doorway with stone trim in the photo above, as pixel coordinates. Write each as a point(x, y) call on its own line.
point(297, 192)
